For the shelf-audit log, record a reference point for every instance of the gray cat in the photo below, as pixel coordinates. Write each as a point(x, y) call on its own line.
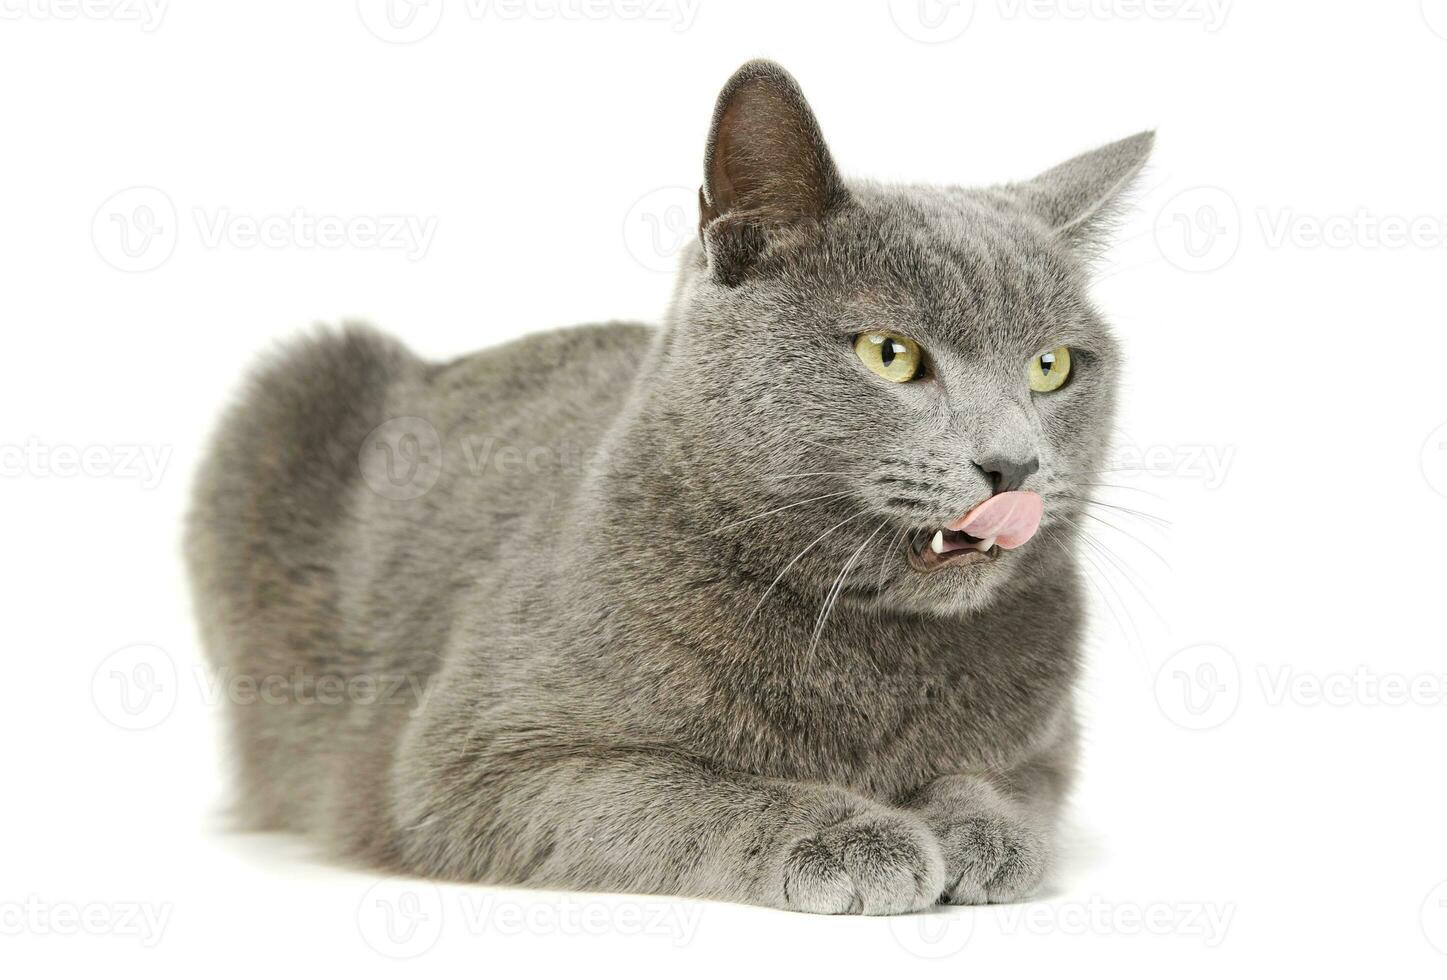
point(776, 603)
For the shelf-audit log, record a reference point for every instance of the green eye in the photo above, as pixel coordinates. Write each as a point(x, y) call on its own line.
point(1049, 370)
point(892, 358)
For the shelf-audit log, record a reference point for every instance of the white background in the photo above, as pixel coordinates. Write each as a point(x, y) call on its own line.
point(1263, 784)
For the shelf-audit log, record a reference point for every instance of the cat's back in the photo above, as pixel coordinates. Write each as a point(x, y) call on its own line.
point(350, 497)
point(521, 424)
point(476, 465)
point(571, 380)
point(345, 447)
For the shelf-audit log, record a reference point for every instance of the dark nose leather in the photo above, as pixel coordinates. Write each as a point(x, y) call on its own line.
point(1008, 474)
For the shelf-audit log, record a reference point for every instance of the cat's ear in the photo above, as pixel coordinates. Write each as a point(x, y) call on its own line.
point(1079, 198)
point(767, 173)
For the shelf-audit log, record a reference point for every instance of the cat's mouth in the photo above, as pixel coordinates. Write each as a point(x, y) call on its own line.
point(933, 551)
point(1004, 520)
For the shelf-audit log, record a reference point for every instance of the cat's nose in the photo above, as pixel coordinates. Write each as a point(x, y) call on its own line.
point(1006, 473)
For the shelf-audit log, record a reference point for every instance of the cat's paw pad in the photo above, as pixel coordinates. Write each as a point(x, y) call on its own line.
point(870, 864)
point(991, 859)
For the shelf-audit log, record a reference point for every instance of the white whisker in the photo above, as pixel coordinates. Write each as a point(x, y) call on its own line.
point(798, 503)
point(795, 559)
point(833, 595)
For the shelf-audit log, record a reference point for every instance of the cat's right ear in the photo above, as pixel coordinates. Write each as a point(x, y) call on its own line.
point(1080, 198)
point(767, 172)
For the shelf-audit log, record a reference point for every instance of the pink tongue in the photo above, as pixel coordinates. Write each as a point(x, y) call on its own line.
point(1010, 518)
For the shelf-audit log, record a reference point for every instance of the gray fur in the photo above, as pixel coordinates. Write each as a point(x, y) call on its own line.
point(628, 681)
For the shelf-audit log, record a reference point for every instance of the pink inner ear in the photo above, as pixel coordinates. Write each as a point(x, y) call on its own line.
point(1010, 518)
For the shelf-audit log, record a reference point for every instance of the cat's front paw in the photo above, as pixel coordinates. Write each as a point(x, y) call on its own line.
point(877, 862)
point(990, 857)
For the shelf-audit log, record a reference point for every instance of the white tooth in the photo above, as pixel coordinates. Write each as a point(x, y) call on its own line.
point(985, 545)
point(938, 544)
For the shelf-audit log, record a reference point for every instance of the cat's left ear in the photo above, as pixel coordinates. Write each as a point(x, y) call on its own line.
point(768, 176)
point(1079, 198)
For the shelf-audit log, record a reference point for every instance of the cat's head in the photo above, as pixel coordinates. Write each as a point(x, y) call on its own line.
point(856, 367)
